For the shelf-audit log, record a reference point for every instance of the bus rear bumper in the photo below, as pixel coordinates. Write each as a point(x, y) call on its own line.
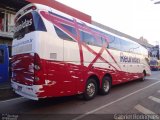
point(29, 92)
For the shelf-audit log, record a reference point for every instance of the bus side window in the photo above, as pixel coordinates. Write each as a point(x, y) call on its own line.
point(137, 49)
point(88, 38)
point(38, 22)
point(100, 41)
point(62, 35)
point(1, 56)
point(104, 42)
point(70, 29)
point(126, 46)
point(114, 43)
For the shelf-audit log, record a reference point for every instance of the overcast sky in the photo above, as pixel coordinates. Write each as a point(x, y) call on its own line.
point(134, 17)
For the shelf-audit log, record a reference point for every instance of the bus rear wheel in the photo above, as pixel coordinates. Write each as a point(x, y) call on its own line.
point(91, 89)
point(106, 85)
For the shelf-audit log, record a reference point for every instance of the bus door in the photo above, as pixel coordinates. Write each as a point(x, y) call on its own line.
point(4, 63)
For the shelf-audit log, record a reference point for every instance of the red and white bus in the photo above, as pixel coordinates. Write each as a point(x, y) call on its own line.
point(55, 54)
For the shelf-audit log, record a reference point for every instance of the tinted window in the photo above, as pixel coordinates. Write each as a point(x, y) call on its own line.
point(126, 46)
point(111, 38)
point(89, 39)
point(70, 29)
point(38, 22)
point(62, 35)
point(153, 62)
point(28, 23)
point(1, 56)
point(114, 43)
point(136, 48)
point(101, 41)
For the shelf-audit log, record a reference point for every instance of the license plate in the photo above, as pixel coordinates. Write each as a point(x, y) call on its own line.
point(19, 88)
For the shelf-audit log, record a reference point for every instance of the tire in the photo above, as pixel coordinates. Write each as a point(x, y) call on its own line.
point(90, 90)
point(144, 76)
point(106, 85)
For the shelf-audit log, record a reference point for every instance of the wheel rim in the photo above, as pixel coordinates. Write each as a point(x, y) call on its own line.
point(91, 89)
point(106, 85)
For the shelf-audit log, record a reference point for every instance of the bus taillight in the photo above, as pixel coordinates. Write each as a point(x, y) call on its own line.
point(30, 8)
point(38, 71)
point(36, 67)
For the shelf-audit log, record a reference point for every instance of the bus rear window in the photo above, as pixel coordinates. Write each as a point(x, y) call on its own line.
point(28, 23)
point(1, 56)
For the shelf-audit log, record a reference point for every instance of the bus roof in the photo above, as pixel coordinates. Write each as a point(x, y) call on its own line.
point(28, 8)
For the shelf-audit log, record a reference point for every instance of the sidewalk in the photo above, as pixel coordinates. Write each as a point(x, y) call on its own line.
point(6, 91)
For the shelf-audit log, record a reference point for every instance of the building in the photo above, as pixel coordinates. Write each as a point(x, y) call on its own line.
point(8, 10)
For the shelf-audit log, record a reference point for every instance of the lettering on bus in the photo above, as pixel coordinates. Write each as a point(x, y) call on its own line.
point(23, 43)
point(23, 24)
point(129, 59)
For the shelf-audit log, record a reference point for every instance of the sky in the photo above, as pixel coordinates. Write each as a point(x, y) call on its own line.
point(134, 17)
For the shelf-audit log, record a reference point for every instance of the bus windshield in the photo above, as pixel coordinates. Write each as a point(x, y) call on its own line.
point(153, 62)
point(28, 23)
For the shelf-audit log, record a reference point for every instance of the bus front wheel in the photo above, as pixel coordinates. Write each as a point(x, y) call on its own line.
point(144, 76)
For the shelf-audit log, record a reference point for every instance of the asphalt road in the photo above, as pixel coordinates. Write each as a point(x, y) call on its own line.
point(123, 102)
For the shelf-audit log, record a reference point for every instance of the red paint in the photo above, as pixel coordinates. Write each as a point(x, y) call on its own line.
point(63, 8)
point(23, 69)
point(59, 72)
point(20, 67)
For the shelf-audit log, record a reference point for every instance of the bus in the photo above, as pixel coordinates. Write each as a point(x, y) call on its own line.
point(158, 64)
point(55, 54)
point(154, 64)
point(4, 63)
